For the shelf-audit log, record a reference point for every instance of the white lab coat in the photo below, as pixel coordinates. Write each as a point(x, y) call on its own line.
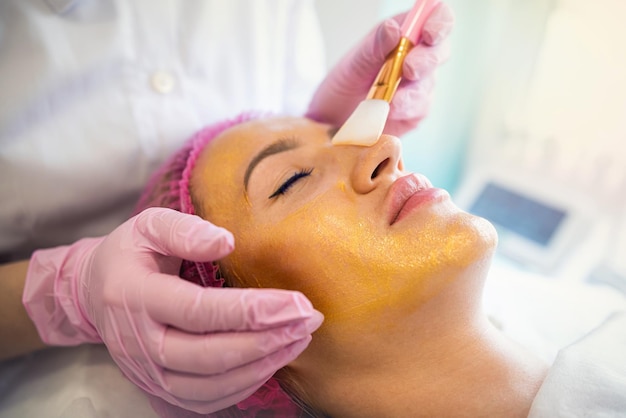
point(94, 94)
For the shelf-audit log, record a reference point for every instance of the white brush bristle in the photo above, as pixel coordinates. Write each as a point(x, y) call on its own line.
point(365, 125)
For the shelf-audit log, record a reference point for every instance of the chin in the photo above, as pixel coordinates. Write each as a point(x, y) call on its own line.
point(487, 232)
point(474, 238)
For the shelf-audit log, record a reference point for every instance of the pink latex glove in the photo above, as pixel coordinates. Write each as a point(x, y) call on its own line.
point(349, 81)
point(203, 349)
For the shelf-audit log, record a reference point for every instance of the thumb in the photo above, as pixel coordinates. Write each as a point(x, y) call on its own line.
point(173, 233)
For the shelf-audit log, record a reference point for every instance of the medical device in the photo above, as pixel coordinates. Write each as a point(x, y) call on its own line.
point(366, 123)
point(537, 222)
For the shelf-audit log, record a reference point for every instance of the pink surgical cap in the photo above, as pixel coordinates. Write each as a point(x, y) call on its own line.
point(169, 187)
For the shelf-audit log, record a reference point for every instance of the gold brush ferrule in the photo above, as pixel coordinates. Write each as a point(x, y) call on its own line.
point(390, 74)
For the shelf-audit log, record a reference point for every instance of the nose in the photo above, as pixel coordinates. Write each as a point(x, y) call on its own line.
point(377, 164)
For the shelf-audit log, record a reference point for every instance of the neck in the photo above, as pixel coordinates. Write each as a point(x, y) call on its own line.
point(443, 361)
point(481, 374)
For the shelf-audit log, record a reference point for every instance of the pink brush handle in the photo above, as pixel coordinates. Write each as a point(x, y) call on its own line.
point(414, 21)
point(390, 74)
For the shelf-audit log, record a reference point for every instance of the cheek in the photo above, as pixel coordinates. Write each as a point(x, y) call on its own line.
point(308, 251)
point(352, 270)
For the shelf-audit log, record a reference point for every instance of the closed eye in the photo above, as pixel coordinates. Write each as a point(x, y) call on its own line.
point(290, 182)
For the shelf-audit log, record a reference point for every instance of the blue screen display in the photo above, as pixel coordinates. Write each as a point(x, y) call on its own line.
point(521, 214)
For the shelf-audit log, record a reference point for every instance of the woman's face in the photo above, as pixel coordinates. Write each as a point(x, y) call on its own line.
point(345, 225)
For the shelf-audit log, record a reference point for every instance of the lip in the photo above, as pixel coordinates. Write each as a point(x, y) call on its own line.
point(409, 193)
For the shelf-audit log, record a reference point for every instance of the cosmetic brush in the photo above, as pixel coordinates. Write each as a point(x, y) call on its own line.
point(365, 125)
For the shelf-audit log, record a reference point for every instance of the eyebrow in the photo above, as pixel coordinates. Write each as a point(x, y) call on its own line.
point(281, 145)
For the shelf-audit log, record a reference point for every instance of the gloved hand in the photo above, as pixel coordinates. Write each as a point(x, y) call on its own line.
point(349, 81)
point(203, 349)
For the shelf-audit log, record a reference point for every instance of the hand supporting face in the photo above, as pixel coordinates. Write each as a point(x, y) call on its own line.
point(349, 81)
point(199, 348)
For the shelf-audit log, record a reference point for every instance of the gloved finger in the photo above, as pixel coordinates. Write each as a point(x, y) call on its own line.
point(439, 25)
point(412, 100)
point(165, 409)
point(193, 308)
point(173, 233)
point(371, 53)
point(190, 387)
point(422, 61)
point(386, 39)
point(217, 353)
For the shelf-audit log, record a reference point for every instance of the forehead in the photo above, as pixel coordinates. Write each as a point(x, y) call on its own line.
point(238, 145)
point(222, 163)
point(258, 133)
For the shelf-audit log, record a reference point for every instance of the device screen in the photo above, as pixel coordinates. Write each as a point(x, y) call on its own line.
point(523, 215)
